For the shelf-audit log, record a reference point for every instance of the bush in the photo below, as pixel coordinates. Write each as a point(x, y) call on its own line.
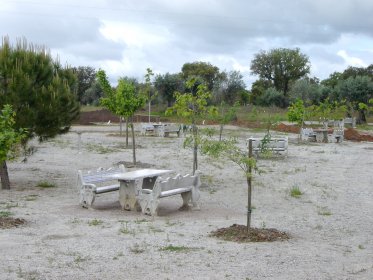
point(272, 97)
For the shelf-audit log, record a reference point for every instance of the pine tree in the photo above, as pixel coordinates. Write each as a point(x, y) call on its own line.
point(41, 92)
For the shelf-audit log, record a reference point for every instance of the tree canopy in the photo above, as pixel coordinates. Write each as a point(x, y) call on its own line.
point(206, 71)
point(40, 91)
point(280, 67)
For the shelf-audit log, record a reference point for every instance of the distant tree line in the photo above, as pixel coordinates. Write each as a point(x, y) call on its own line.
point(227, 87)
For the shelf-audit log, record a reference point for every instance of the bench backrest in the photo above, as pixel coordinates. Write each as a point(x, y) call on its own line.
point(171, 128)
point(99, 175)
point(179, 181)
point(274, 143)
point(147, 126)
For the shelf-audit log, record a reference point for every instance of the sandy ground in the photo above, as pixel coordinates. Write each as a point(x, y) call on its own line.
point(331, 223)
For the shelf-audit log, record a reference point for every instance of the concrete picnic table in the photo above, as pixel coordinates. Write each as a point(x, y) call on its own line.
point(131, 184)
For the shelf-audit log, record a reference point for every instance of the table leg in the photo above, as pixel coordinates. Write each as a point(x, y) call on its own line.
point(128, 193)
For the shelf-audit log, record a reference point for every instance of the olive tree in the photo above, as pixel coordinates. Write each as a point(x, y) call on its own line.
point(280, 67)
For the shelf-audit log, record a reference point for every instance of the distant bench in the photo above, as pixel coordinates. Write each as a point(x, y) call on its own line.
point(165, 130)
point(147, 129)
point(95, 182)
point(331, 135)
point(187, 186)
point(274, 144)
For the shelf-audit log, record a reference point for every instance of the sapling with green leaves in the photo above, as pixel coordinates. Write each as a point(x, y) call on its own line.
point(122, 101)
point(229, 149)
point(193, 107)
point(225, 114)
point(148, 88)
point(10, 139)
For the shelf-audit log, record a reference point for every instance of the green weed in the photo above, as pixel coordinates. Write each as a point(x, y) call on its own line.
point(46, 185)
point(95, 222)
point(295, 192)
point(5, 214)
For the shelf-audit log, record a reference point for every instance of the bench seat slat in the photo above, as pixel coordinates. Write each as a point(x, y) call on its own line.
point(175, 191)
point(105, 189)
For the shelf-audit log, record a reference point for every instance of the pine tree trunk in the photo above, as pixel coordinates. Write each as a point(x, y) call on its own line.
point(5, 183)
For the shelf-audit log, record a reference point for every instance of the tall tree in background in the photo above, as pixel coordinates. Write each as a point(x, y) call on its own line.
point(280, 67)
point(356, 91)
point(41, 92)
point(92, 95)
point(86, 78)
point(167, 85)
point(228, 88)
point(206, 71)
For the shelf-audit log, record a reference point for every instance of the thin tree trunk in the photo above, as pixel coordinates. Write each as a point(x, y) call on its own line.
point(127, 132)
point(195, 149)
point(5, 183)
point(120, 125)
point(221, 132)
point(133, 143)
point(249, 188)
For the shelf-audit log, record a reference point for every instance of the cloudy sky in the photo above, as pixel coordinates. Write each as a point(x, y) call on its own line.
point(124, 37)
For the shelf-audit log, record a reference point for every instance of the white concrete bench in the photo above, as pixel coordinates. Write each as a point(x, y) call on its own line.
point(275, 144)
point(350, 122)
point(187, 186)
point(95, 182)
point(166, 129)
point(337, 135)
point(307, 134)
point(147, 128)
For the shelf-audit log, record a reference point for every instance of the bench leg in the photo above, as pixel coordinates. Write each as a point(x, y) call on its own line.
point(148, 204)
point(86, 197)
point(187, 197)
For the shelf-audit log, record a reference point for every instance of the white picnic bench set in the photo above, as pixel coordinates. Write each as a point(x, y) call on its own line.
point(159, 129)
point(139, 190)
point(272, 144)
point(331, 132)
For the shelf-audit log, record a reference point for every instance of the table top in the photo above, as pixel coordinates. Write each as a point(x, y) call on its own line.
point(140, 173)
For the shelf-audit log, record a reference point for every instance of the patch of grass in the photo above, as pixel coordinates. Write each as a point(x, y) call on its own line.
point(324, 211)
point(100, 149)
point(141, 221)
point(46, 185)
point(95, 222)
point(172, 248)
point(212, 191)
point(137, 249)
point(125, 230)
point(5, 214)
point(295, 192)
point(11, 205)
point(154, 229)
point(361, 247)
point(31, 197)
point(75, 221)
point(120, 254)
